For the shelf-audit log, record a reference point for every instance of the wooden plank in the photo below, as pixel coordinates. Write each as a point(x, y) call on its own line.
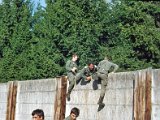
point(14, 95)
point(63, 97)
point(148, 108)
point(133, 108)
point(142, 95)
point(60, 100)
point(11, 100)
point(139, 96)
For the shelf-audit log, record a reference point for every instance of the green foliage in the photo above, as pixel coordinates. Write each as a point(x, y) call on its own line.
point(34, 46)
point(133, 37)
point(75, 26)
point(14, 37)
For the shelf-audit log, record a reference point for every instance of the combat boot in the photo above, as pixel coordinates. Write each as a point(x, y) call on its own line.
point(100, 101)
point(68, 96)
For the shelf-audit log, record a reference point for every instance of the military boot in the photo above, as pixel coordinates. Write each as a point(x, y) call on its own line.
point(68, 96)
point(100, 101)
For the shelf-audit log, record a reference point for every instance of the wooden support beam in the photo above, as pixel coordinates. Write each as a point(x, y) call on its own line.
point(11, 100)
point(148, 91)
point(142, 95)
point(60, 101)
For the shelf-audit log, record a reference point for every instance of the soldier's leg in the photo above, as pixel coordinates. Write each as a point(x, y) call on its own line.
point(71, 79)
point(95, 76)
point(104, 81)
point(96, 81)
point(71, 86)
point(103, 87)
point(78, 77)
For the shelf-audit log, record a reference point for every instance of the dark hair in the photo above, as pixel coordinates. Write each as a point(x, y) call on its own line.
point(90, 63)
point(75, 111)
point(107, 58)
point(74, 54)
point(38, 112)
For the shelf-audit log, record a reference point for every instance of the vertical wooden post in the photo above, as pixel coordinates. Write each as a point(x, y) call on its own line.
point(60, 101)
point(142, 95)
point(133, 100)
point(148, 94)
point(63, 97)
point(11, 100)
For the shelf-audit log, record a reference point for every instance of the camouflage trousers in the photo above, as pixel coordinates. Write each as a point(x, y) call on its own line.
point(104, 82)
point(71, 79)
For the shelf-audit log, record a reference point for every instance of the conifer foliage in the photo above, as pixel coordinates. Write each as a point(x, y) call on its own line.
point(37, 44)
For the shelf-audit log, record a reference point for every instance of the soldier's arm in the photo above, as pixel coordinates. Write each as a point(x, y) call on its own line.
point(83, 73)
point(87, 75)
point(68, 67)
point(99, 65)
point(115, 67)
point(96, 68)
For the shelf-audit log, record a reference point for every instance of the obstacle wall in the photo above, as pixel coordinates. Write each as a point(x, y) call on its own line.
point(118, 99)
point(129, 96)
point(3, 100)
point(19, 98)
point(35, 94)
point(156, 95)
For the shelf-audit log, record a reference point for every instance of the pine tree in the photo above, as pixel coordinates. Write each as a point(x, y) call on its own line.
point(15, 36)
point(75, 27)
point(134, 38)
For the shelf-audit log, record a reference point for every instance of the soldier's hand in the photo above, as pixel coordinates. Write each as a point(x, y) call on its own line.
point(88, 78)
point(112, 72)
point(74, 69)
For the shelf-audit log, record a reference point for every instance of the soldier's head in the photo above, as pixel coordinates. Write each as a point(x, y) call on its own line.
point(91, 66)
point(74, 113)
point(74, 57)
point(106, 58)
point(38, 114)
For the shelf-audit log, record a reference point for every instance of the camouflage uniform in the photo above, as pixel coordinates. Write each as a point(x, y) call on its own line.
point(86, 72)
point(71, 75)
point(102, 72)
point(67, 118)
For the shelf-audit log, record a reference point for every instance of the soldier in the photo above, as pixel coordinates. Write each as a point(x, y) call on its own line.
point(103, 69)
point(38, 114)
point(73, 114)
point(87, 73)
point(71, 67)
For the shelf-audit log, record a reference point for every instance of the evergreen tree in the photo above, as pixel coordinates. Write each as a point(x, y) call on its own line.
point(14, 37)
point(45, 54)
point(34, 46)
point(75, 27)
point(134, 38)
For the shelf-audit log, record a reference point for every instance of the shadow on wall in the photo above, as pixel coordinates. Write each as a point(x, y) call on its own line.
point(94, 83)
